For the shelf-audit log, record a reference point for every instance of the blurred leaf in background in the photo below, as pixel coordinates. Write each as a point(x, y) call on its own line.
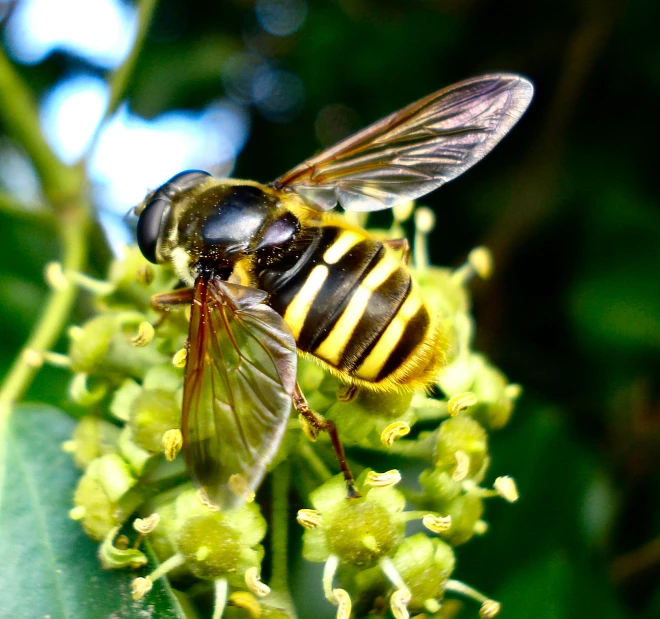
point(568, 204)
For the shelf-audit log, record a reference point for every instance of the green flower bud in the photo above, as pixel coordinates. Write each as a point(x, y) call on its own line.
point(153, 413)
point(163, 538)
point(442, 292)
point(465, 511)
point(134, 455)
point(213, 544)
point(105, 481)
point(89, 344)
point(495, 401)
point(165, 376)
point(123, 399)
point(462, 448)
point(495, 398)
point(359, 531)
point(363, 419)
point(100, 346)
point(439, 486)
point(135, 281)
point(211, 548)
point(92, 438)
point(425, 564)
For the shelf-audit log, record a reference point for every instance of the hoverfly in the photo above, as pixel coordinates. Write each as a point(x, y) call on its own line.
point(272, 273)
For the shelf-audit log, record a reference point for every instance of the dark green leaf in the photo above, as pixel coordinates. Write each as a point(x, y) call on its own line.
point(49, 567)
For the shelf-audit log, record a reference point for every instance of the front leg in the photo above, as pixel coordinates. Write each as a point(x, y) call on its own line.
point(163, 302)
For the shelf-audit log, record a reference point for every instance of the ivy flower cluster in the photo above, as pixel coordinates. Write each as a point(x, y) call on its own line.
point(392, 550)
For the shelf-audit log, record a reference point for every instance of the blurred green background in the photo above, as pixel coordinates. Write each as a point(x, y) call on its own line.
point(568, 203)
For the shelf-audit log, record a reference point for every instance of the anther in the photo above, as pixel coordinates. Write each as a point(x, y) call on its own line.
point(179, 358)
point(393, 432)
point(437, 524)
point(383, 480)
point(347, 394)
point(399, 601)
point(480, 527)
point(144, 335)
point(462, 468)
point(140, 587)
point(246, 601)
point(145, 275)
point(343, 601)
point(460, 402)
point(489, 609)
point(481, 260)
point(206, 501)
point(172, 443)
point(506, 488)
point(433, 606)
point(144, 526)
point(402, 211)
point(513, 391)
point(32, 358)
point(254, 584)
point(424, 219)
point(309, 519)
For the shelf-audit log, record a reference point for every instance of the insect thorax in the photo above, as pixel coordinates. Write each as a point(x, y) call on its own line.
point(221, 223)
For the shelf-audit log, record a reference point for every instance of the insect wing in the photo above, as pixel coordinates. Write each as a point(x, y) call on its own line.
point(415, 150)
point(240, 376)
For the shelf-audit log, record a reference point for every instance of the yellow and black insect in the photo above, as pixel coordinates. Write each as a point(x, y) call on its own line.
point(272, 273)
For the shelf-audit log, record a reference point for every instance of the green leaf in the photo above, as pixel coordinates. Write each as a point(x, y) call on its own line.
point(48, 566)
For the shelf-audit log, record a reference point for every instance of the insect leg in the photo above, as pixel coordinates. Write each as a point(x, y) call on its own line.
point(164, 301)
point(320, 423)
point(401, 245)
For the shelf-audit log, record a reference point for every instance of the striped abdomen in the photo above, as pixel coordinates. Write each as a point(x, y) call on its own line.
point(351, 303)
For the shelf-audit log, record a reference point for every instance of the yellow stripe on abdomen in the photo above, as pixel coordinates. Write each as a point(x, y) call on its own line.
point(332, 347)
point(346, 240)
point(297, 310)
point(373, 364)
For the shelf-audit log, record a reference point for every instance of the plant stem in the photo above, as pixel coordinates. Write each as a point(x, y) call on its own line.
point(36, 214)
point(281, 483)
point(75, 224)
point(18, 109)
point(315, 464)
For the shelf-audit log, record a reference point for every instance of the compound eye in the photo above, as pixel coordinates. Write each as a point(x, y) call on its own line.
point(148, 228)
point(182, 180)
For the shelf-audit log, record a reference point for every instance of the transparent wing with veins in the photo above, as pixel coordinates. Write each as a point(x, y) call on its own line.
point(415, 150)
point(239, 380)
